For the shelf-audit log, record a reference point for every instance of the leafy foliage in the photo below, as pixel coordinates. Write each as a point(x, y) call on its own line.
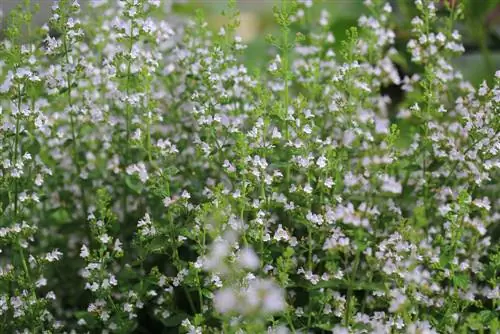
point(150, 182)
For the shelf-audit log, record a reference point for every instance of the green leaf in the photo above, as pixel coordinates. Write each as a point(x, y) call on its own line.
point(171, 170)
point(461, 281)
point(486, 316)
point(289, 251)
point(174, 320)
point(473, 322)
point(419, 215)
point(34, 148)
point(494, 325)
point(157, 245)
point(60, 216)
point(91, 321)
point(446, 256)
point(134, 183)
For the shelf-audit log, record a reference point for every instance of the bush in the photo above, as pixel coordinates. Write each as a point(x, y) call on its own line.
point(151, 183)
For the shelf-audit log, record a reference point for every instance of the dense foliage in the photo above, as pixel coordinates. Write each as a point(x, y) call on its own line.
point(151, 183)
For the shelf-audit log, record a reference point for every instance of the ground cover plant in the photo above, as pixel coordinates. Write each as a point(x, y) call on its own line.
point(151, 183)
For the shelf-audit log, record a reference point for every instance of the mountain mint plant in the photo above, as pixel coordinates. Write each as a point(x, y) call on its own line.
point(150, 182)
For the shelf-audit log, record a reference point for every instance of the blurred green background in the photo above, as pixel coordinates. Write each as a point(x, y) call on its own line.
point(480, 28)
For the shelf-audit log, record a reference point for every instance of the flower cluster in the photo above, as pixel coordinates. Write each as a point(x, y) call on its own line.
point(150, 181)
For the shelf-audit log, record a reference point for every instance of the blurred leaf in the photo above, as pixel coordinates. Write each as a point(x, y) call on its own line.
point(33, 148)
point(475, 9)
point(461, 281)
point(486, 316)
point(474, 68)
point(60, 216)
point(134, 183)
point(175, 320)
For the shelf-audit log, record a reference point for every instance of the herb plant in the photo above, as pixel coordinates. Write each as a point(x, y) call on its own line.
point(151, 183)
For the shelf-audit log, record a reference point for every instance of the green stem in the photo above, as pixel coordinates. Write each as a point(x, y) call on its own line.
point(177, 260)
point(128, 116)
point(290, 322)
point(16, 183)
point(127, 88)
point(351, 288)
point(16, 190)
point(310, 248)
point(73, 130)
point(200, 294)
point(148, 139)
point(285, 70)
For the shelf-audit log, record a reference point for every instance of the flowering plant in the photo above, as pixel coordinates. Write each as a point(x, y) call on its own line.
point(150, 182)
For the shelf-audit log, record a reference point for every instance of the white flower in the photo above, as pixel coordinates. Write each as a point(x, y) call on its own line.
point(248, 259)
point(229, 167)
point(398, 299)
point(50, 295)
point(117, 246)
point(322, 162)
point(92, 286)
point(84, 252)
point(329, 183)
point(308, 189)
point(281, 234)
point(42, 281)
point(483, 90)
point(225, 300)
point(140, 169)
point(53, 256)
point(391, 185)
point(146, 220)
point(273, 299)
point(314, 218)
point(167, 201)
point(276, 134)
point(104, 238)
point(112, 280)
point(483, 203)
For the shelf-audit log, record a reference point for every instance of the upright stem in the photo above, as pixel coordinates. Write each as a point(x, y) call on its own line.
point(16, 191)
point(127, 88)
point(350, 289)
point(128, 114)
point(148, 122)
point(286, 97)
point(16, 147)
point(73, 129)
